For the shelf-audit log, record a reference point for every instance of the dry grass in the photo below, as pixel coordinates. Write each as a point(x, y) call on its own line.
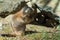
point(43, 33)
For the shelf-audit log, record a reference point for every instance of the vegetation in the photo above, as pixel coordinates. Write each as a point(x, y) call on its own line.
point(33, 32)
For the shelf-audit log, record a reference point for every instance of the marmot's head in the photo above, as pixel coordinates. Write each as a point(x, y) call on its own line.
point(28, 14)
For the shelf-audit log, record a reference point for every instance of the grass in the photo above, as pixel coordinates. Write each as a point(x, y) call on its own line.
point(40, 35)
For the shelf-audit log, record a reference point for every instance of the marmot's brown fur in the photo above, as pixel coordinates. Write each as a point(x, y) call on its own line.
point(20, 19)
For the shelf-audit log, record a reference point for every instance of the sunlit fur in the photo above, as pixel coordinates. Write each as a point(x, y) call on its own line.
point(20, 19)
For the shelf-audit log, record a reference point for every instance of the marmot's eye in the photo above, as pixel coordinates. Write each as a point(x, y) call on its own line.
point(27, 10)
